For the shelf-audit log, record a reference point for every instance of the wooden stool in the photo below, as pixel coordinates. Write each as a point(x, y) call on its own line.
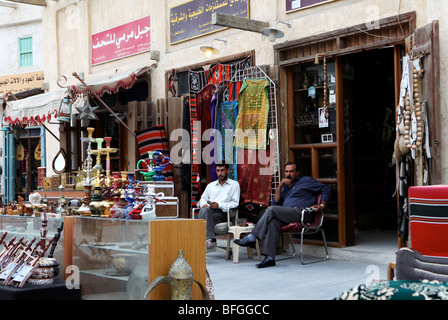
point(236, 231)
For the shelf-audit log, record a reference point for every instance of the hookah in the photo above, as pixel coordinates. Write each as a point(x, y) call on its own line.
point(131, 196)
point(148, 212)
point(84, 209)
point(156, 163)
point(149, 172)
point(108, 151)
point(96, 200)
point(89, 160)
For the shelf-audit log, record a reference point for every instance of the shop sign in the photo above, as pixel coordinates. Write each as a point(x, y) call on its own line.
point(194, 18)
point(122, 41)
point(292, 5)
point(21, 82)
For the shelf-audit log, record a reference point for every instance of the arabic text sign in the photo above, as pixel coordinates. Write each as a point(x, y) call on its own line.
point(292, 5)
point(123, 41)
point(21, 82)
point(194, 18)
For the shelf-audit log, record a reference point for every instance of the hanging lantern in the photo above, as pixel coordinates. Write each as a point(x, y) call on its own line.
point(65, 110)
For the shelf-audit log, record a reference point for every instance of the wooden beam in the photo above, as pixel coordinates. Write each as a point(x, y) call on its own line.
point(41, 3)
point(229, 21)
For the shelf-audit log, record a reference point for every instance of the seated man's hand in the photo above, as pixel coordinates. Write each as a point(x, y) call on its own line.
point(214, 205)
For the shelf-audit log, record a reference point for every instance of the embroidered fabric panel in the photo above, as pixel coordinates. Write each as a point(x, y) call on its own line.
point(252, 122)
point(225, 123)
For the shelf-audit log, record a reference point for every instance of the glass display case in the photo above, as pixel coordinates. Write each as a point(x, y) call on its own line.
point(112, 257)
point(29, 228)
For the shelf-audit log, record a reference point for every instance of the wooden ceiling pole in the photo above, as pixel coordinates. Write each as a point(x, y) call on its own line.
point(41, 3)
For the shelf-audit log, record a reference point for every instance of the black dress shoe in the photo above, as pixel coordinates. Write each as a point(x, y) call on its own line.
point(266, 263)
point(245, 242)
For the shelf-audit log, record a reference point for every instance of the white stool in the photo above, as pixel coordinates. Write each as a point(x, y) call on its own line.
point(237, 231)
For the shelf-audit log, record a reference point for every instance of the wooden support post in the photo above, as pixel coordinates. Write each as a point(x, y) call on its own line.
point(131, 143)
point(229, 21)
point(41, 3)
point(68, 244)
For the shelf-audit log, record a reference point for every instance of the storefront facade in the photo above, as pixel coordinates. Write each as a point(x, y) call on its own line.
point(354, 39)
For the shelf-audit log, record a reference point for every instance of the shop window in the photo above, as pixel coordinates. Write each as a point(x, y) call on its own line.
point(26, 52)
point(310, 123)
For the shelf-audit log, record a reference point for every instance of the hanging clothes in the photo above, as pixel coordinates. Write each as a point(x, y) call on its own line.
point(200, 118)
point(255, 178)
point(252, 121)
point(225, 123)
point(198, 80)
point(186, 167)
point(216, 74)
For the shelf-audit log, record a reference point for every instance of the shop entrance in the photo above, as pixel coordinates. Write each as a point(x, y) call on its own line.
point(369, 107)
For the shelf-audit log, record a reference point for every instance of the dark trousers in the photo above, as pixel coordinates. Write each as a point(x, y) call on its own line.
point(213, 217)
point(270, 224)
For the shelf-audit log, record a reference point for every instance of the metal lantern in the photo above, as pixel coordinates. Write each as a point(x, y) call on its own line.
point(65, 110)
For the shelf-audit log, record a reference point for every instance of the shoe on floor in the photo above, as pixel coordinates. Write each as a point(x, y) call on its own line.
point(210, 244)
point(266, 263)
point(245, 242)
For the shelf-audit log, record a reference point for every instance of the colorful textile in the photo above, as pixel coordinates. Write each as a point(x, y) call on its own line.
point(252, 121)
point(198, 80)
point(234, 89)
point(254, 177)
point(216, 74)
point(428, 208)
point(195, 151)
point(398, 290)
point(226, 121)
point(153, 139)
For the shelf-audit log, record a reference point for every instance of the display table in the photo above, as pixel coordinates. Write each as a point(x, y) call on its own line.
point(237, 231)
point(56, 291)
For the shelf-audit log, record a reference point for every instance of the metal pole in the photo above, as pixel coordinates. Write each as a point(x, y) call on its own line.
point(105, 105)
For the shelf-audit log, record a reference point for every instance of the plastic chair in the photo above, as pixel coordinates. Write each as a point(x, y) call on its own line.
point(223, 227)
point(303, 229)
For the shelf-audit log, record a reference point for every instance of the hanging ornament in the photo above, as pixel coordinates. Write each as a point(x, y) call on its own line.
point(173, 83)
point(327, 113)
point(38, 153)
point(20, 152)
point(86, 112)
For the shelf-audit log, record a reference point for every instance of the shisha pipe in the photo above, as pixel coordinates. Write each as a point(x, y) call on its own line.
point(108, 151)
point(89, 160)
point(149, 172)
point(157, 157)
point(98, 166)
point(104, 104)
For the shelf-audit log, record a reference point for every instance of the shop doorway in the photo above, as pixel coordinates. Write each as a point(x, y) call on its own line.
point(369, 107)
point(28, 158)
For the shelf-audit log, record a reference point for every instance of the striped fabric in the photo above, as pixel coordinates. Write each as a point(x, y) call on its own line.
point(428, 207)
point(153, 139)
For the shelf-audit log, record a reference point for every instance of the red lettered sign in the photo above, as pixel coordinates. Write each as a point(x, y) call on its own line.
point(122, 41)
